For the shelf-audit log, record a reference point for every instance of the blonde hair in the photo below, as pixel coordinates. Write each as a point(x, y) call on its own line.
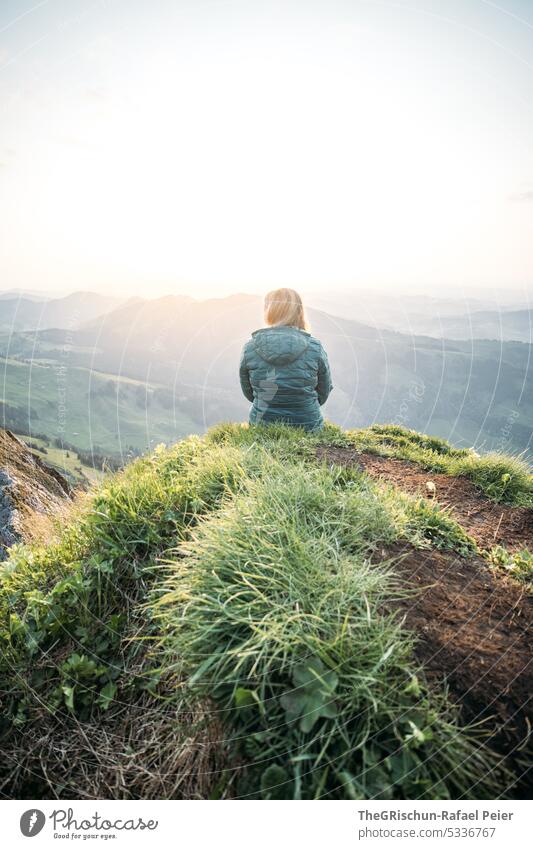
point(285, 307)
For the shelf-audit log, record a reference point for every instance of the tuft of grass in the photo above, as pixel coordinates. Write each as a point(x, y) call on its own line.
point(426, 524)
point(500, 477)
point(76, 638)
point(400, 438)
point(282, 441)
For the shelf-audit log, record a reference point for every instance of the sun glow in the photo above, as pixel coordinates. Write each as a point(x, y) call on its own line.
point(245, 157)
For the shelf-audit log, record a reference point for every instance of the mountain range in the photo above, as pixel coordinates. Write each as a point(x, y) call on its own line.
point(27, 312)
point(466, 317)
point(149, 370)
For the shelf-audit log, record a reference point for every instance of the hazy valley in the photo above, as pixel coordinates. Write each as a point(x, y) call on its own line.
point(113, 377)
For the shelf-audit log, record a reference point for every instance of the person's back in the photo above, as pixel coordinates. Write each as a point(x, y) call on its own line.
point(284, 370)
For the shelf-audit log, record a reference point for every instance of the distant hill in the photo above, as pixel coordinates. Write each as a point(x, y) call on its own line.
point(502, 325)
point(431, 315)
point(28, 313)
point(29, 294)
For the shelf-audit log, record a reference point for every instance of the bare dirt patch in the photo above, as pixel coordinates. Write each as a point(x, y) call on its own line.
point(475, 631)
point(487, 523)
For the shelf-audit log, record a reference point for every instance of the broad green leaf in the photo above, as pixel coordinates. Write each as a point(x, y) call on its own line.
point(106, 695)
point(245, 698)
point(312, 697)
point(69, 696)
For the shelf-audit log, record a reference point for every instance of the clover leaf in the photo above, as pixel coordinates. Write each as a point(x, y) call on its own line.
point(313, 694)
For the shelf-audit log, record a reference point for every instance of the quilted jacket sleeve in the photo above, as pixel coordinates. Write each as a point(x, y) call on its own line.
point(244, 376)
point(324, 384)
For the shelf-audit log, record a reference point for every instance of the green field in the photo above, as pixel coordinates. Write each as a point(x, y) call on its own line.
point(91, 411)
point(65, 461)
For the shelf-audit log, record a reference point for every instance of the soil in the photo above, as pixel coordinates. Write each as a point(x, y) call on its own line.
point(487, 523)
point(474, 631)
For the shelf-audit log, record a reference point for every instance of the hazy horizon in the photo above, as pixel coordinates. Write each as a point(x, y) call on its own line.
point(497, 294)
point(466, 298)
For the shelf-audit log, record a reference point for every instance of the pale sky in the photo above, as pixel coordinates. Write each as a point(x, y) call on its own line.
point(206, 147)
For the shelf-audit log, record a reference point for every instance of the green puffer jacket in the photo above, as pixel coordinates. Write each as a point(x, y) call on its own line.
point(285, 372)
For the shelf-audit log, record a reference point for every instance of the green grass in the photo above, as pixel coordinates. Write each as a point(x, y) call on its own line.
point(425, 524)
point(274, 611)
point(227, 589)
point(101, 413)
point(502, 478)
point(70, 592)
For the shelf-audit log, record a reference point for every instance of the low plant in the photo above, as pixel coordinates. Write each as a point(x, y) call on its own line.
point(518, 564)
point(426, 524)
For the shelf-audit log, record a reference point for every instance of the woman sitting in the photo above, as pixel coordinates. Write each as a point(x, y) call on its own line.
point(284, 370)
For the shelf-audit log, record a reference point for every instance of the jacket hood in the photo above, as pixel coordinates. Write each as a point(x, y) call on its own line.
point(280, 345)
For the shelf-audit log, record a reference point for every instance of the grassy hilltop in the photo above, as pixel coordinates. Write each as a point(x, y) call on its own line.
point(242, 615)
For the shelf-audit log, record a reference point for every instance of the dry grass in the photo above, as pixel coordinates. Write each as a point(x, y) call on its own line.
point(141, 750)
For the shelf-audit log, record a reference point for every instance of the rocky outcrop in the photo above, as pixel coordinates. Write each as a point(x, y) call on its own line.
point(30, 493)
